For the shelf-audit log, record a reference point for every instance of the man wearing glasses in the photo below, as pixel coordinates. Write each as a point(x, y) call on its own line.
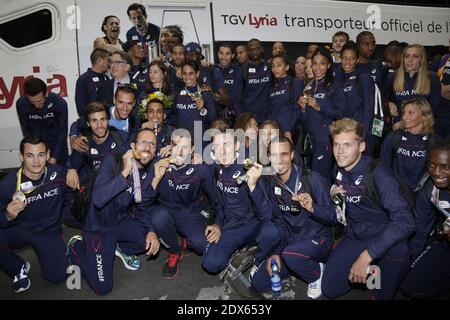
point(120, 64)
point(122, 195)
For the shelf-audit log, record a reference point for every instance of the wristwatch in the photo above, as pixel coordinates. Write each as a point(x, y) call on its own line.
point(203, 112)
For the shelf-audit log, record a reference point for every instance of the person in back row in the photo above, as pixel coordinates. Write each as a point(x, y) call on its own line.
point(322, 102)
point(406, 150)
point(181, 191)
point(242, 210)
point(429, 275)
point(45, 114)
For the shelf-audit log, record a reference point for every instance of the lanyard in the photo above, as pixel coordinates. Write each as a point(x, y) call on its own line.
point(285, 187)
point(136, 183)
point(19, 182)
point(195, 95)
point(340, 209)
point(435, 200)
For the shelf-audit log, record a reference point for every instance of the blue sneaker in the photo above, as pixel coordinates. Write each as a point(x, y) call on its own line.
point(21, 282)
point(72, 241)
point(131, 262)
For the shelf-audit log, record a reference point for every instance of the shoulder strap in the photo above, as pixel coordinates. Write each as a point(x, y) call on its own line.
point(432, 138)
point(212, 77)
point(306, 180)
point(115, 135)
point(397, 139)
point(118, 164)
point(245, 77)
point(422, 182)
point(371, 191)
point(291, 91)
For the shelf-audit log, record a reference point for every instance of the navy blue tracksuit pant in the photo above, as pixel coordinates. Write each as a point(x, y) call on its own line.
point(393, 266)
point(191, 226)
point(300, 259)
point(95, 254)
point(254, 232)
point(429, 275)
point(50, 249)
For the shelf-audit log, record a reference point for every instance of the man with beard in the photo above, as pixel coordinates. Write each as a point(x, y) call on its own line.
point(122, 116)
point(232, 82)
point(177, 61)
point(110, 42)
point(429, 275)
point(119, 213)
point(102, 140)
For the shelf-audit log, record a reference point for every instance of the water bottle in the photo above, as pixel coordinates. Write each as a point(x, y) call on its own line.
point(275, 279)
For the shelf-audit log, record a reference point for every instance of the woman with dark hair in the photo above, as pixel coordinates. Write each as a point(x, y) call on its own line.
point(110, 42)
point(158, 82)
point(283, 95)
point(248, 123)
point(322, 102)
point(359, 92)
point(192, 103)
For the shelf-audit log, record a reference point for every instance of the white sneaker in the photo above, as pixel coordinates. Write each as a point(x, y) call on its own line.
point(314, 288)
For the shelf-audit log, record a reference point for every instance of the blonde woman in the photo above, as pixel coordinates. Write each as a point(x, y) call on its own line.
point(412, 79)
point(406, 150)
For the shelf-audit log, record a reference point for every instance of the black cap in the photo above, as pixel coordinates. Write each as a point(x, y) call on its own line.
point(129, 44)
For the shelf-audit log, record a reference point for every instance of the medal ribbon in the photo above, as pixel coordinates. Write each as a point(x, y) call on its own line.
point(435, 200)
point(136, 183)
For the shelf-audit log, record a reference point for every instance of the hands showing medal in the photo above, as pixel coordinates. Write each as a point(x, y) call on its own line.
point(305, 201)
point(17, 205)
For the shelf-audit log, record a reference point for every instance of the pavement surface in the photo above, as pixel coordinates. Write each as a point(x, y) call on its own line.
point(191, 283)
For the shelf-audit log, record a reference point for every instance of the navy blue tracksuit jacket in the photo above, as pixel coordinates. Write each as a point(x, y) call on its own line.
point(410, 158)
point(255, 98)
point(283, 102)
point(236, 205)
point(86, 88)
point(303, 225)
point(113, 199)
point(50, 123)
point(359, 93)
point(385, 225)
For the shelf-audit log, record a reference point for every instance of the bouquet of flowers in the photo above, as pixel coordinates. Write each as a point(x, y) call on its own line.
point(167, 101)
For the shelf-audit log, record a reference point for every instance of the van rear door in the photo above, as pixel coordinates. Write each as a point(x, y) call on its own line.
point(36, 39)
